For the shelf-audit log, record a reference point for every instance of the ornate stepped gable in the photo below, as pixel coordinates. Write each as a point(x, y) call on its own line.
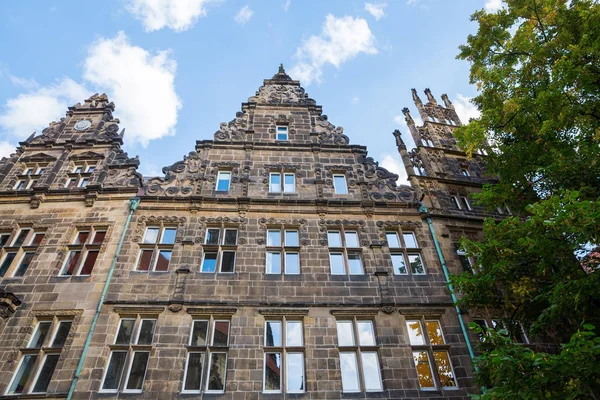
point(185, 178)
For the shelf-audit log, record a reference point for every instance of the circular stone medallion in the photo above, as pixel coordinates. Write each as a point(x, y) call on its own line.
point(82, 125)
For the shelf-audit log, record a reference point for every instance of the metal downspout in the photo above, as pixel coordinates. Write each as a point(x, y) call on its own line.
point(133, 204)
point(423, 210)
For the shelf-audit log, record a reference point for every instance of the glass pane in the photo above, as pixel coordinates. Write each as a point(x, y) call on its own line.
point(355, 264)
point(144, 263)
point(289, 183)
point(392, 239)
point(345, 333)
point(168, 236)
point(424, 373)
point(21, 238)
point(78, 169)
point(40, 334)
point(114, 372)
point(415, 333)
point(444, 367)
point(212, 236)
point(293, 333)
point(193, 375)
point(84, 182)
point(291, 238)
point(138, 370)
point(228, 261)
point(272, 371)
point(90, 169)
point(292, 263)
point(221, 333)
point(352, 239)
point(366, 336)
point(216, 376)
point(434, 330)
point(295, 372)
point(223, 183)
point(273, 238)
point(410, 240)
point(416, 264)
point(151, 235)
point(37, 239)
point(146, 331)
point(275, 183)
point(336, 260)
point(230, 237)
point(334, 239)
point(89, 262)
point(45, 374)
point(71, 263)
point(162, 261)
point(349, 369)
point(398, 264)
point(61, 334)
point(339, 183)
point(199, 333)
point(81, 237)
point(273, 262)
point(4, 239)
point(209, 264)
point(371, 372)
point(8, 259)
point(22, 376)
point(24, 264)
point(125, 331)
point(273, 333)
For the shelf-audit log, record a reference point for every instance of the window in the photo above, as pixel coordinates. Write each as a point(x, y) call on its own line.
point(283, 251)
point(276, 185)
point(419, 170)
point(465, 171)
point(283, 369)
point(514, 329)
point(132, 341)
point(430, 354)
point(427, 142)
point(466, 203)
point(22, 248)
point(405, 251)
point(40, 357)
point(207, 356)
point(220, 245)
point(83, 251)
point(282, 133)
point(156, 248)
point(359, 360)
point(467, 263)
point(344, 253)
point(30, 176)
point(481, 152)
point(223, 181)
point(339, 184)
point(80, 174)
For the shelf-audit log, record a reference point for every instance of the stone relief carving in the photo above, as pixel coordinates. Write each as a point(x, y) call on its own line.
point(145, 221)
point(291, 223)
point(234, 129)
point(381, 183)
point(272, 93)
point(223, 222)
point(358, 225)
point(329, 133)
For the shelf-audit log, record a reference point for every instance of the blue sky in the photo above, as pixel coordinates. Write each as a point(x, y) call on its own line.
point(175, 70)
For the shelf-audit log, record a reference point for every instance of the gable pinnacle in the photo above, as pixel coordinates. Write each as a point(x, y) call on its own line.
point(281, 70)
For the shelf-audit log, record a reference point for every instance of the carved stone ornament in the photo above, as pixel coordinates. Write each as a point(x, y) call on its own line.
point(329, 133)
point(276, 92)
point(122, 178)
point(234, 130)
point(300, 224)
point(381, 183)
point(8, 304)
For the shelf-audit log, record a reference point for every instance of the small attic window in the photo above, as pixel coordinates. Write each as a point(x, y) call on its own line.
point(281, 132)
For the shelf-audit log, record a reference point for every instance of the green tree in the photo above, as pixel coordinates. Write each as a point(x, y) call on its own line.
point(536, 64)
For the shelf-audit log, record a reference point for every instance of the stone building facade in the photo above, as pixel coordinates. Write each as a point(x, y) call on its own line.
point(276, 261)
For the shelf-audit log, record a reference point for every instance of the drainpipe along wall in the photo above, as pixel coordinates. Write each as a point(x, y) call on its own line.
point(133, 204)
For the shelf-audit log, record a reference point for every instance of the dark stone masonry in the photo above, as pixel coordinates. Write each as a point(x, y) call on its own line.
point(276, 261)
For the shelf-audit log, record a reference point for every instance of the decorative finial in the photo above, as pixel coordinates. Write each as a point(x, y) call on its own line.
point(281, 70)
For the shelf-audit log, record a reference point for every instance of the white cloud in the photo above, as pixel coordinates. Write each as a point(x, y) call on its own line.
point(376, 10)
point(178, 15)
point(355, 100)
point(465, 109)
point(25, 83)
point(140, 83)
point(340, 40)
point(493, 5)
point(32, 111)
point(6, 149)
point(393, 163)
point(243, 15)
point(287, 4)
point(412, 2)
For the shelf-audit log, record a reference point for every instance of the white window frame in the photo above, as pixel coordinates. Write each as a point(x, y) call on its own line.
point(287, 133)
point(335, 187)
point(219, 175)
point(128, 371)
point(284, 350)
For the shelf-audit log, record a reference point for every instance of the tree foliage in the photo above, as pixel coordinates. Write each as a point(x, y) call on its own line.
point(536, 64)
